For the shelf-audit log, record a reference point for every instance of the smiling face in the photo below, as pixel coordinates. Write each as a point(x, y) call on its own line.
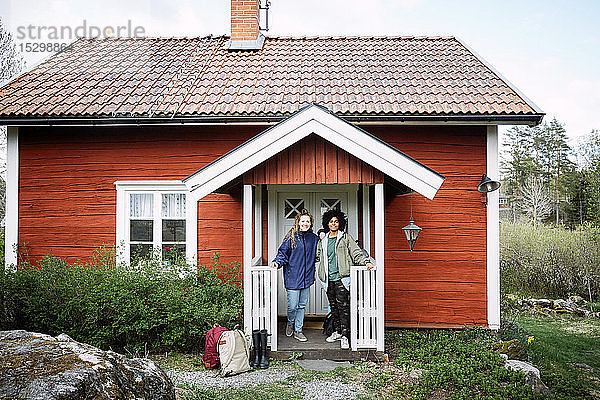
point(304, 223)
point(333, 224)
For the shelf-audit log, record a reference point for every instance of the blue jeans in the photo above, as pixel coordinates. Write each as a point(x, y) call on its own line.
point(297, 300)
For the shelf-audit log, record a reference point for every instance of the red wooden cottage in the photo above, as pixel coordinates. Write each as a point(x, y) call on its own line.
point(212, 144)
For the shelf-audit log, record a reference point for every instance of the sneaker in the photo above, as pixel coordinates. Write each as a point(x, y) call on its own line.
point(333, 337)
point(345, 344)
point(300, 336)
point(289, 329)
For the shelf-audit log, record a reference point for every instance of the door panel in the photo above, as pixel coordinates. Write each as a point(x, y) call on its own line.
point(288, 205)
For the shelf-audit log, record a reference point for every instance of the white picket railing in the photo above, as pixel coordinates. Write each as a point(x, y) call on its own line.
point(363, 307)
point(263, 282)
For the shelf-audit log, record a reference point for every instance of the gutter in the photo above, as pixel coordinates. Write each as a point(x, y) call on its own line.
point(492, 119)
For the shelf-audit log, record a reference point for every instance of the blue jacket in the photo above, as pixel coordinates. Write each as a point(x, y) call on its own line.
point(299, 262)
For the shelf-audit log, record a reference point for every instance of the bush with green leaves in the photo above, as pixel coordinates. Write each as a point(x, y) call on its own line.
point(454, 364)
point(151, 305)
point(550, 261)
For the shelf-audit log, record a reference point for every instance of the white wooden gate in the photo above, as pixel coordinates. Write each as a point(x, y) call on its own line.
point(363, 308)
point(263, 281)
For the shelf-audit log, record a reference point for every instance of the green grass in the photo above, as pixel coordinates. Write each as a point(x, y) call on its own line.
point(559, 342)
point(278, 390)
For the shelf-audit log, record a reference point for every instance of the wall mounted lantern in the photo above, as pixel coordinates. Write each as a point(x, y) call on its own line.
point(412, 233)
point(411, 230)
point(487, 185)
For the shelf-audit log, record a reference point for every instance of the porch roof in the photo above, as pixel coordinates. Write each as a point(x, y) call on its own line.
point(320, 121)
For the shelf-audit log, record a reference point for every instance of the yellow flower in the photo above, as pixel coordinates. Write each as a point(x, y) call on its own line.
point(530, 339)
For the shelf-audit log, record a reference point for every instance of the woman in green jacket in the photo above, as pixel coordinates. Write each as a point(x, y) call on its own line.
point(336, 252)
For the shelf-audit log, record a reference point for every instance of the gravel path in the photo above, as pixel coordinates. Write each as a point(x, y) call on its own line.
point(316, 389)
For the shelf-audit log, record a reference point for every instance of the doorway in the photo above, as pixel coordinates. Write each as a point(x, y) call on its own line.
point(285, 201)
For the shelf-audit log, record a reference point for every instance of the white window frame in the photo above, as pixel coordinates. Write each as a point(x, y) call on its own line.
point(157, 188)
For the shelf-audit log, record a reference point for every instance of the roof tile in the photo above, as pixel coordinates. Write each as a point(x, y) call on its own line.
point(198, 77)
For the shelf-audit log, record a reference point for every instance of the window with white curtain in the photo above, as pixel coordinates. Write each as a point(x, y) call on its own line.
point(156, 222)
point(154, 218)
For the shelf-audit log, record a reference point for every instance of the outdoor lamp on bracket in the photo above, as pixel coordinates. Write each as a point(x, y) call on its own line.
point(487, 185)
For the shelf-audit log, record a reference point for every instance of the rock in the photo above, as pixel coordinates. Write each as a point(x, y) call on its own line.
point(37, 366)
point(417, 373)
point(541, 302)
point(577, 300)
point(532, 375)
point(581, 312)
point(514, 349)
point(322, 365)
point(560, 303)
point(582, 366)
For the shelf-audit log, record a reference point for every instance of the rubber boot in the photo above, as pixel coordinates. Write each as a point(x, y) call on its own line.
point(257, 346)
point(264, 360)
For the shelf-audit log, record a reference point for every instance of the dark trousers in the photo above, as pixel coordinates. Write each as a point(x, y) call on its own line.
point(339, 302)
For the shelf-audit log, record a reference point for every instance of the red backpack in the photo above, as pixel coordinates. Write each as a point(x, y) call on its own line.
point(210, 358)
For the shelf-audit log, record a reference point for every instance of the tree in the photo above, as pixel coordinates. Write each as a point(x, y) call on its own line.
point(536, 201)
point(543, 152)
point(517, 162)
point(11, 64)
point(588, 157)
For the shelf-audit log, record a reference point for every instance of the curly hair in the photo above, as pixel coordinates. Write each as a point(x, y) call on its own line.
point(334, 213)
point(296, 228)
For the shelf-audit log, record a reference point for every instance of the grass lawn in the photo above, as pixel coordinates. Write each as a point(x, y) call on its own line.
point(561, 341)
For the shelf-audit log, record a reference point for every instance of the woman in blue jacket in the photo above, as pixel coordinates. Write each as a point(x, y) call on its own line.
point(297, 257)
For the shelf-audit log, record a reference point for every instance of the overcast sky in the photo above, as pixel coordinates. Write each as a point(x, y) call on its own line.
point(549, 49)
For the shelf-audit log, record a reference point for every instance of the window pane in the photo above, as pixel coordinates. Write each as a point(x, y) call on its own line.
point(173, 205)
point(141, 205)
point(140, 231)
point(173, 230)
point(330, 204)
point(293, 207)
point(140, 251)
point(172, 252)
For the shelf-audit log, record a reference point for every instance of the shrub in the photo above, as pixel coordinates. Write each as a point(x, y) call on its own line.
point(150, 305)
point(550, 261)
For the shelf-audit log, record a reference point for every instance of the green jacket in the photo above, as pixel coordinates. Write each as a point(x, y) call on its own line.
point(347, 252)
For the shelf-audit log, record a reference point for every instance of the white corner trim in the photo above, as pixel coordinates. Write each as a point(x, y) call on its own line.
point(247, 257)
point(12, 197)
point(493, 233)
point(380, 263)
point(191, 225)
point(315, 119)
point(258, 243)
point(366, 219)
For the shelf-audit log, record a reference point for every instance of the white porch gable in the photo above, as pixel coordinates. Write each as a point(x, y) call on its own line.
point(318, 120)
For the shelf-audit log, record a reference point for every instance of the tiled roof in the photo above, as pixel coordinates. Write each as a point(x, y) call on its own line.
point(197, 77)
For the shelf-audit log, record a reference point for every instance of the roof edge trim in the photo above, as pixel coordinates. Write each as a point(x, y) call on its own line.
point(534, 119)
point(320, 121)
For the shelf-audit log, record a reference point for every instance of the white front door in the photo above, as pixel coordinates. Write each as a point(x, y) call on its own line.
point(317, 200)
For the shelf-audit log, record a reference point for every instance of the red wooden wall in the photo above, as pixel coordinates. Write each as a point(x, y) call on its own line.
point(67, 197)
point(67, 203)
point(312, 160)
point(443, 281)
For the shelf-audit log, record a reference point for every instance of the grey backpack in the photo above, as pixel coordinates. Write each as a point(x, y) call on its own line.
point(233, 353)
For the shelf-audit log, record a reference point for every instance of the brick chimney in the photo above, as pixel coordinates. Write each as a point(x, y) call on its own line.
point(245, 33)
